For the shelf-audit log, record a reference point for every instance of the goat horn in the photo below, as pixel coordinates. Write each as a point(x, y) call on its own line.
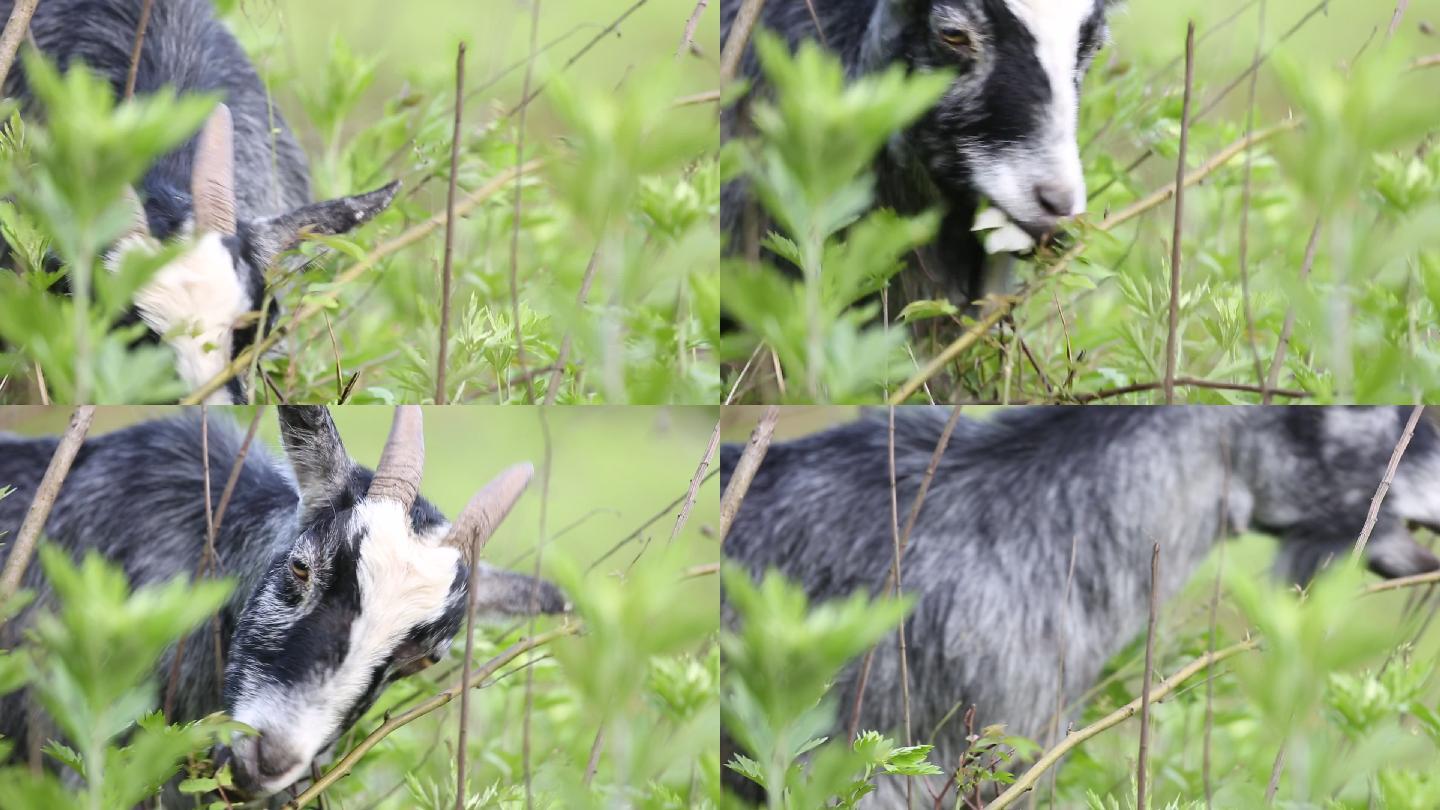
point(484, 513)
point(397, 476)
point(139, 225)
point(212, 180)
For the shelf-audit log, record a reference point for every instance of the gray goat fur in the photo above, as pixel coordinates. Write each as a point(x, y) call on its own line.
point(990, 553)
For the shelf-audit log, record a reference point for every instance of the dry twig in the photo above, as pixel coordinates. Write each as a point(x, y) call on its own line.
point(1172, 342)
point(23, 547)
point(448, 268)
point(746, 468)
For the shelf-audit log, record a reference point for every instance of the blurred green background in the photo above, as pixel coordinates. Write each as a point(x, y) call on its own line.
point(612, 468)
point(414, 45)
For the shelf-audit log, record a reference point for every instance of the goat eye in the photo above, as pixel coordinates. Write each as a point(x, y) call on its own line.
point(300, 570)
point(956, 38)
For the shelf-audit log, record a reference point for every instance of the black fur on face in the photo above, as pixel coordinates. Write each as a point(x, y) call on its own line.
point(1007, 125)
point(361, 596)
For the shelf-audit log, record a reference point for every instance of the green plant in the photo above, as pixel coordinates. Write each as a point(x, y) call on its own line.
point(780, 660)
point(90, 667)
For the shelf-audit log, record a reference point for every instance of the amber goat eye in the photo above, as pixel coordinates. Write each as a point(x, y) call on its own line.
point(300, 570)
point(955, 37)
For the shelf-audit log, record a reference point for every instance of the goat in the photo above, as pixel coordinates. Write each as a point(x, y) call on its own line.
point(240, 189)
point(1005, 129)
point(346, 579)
point(989, 557)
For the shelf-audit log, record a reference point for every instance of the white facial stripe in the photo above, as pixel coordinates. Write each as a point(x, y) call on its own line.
point(1050, 160)
point(404, 582)
point(194, 301)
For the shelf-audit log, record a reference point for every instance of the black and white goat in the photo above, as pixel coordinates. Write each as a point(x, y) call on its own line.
point(347, 579)
point(990, 554)
point(1005, 129)
point(240, 190)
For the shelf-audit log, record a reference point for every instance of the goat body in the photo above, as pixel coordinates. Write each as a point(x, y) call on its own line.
point(1014, 497)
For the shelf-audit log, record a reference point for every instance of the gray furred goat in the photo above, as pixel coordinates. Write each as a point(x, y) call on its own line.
point(346, 579)
point(990, 553)
point(240, 189)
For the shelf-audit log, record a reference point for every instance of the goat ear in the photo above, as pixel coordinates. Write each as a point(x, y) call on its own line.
point(1397, 554)
point(272, 236)
point(500, 594)
point(322, 467)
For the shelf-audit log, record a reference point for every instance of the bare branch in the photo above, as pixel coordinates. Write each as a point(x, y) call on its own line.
point(695, 482)
point(1142, 764)
point(447, 273)
point(740, 30)
point(1172, 343)
point(15, 31)
point(23, 548)
point(746, 468)
point(135, 51)
point(1384, 487)
point(515, 214)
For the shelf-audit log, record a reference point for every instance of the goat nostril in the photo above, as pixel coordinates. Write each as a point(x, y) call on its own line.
point(1056, 199)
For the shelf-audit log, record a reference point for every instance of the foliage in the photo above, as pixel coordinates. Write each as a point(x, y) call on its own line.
point(810, 170)
point(614, 260)
point(90, 667)
point(779, 663)
point(1361, 163)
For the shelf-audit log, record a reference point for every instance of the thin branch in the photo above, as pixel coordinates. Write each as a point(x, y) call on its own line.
point(939, 452)
point(740, 30)
point(1286, 328)
point(534, 606)
point(592, 764)
point(1245, 198)
point(530, 96)
point(1003, 305)
point(1215, 625)
point(23, 547)
point(687, 42)
point(1050, 758)
point(15, 31)
point(447, 273)
point(1276, 769)
point(135, 51)
point(746, 468)
point(515, 214)
point(632, 536)
point(318, 301)
point(1185, 382)
point(896, 581)
point(1384, 487)
point(344, 765)
point(1172, 344)
point(695, 482)
point(1142, 765)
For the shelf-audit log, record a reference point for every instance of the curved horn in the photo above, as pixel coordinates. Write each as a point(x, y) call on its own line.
point(212, 180)
point(139, 225)
point(397, 476)
point(483, 514)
